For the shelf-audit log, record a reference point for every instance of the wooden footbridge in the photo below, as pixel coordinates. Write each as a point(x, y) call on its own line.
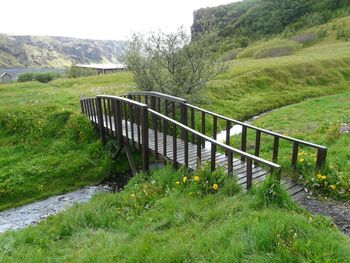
point(175, 131)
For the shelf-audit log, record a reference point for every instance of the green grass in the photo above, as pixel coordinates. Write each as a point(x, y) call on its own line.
point(47, 147)
point(153, 220)
point(319, 121)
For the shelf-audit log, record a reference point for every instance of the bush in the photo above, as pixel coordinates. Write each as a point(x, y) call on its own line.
point(76, 72)
point(271, 193)
point(272, 48)
point(231, 55)
point(43, 77)
point(305, 38)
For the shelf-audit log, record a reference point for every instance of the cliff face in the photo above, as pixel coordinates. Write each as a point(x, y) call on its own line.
point(56, 52)
point(254, 19)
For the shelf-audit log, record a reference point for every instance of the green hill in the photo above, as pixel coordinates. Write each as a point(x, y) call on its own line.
point(247, 21)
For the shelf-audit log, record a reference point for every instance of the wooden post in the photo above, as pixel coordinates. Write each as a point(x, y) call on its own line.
point(321, 158)
point(275, 149)
point(100, 120)
point(244, 141)
point(295, 154)
point(249, 173)
point(144, 146)
point(184, 131)
point(213, 146)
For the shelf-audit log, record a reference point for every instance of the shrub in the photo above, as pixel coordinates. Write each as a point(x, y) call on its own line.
point(43, 77)
point(231, 55)
point(304, 38)
point(271, 193)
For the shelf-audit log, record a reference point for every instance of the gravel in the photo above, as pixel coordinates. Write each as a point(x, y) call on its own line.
point(339, 212)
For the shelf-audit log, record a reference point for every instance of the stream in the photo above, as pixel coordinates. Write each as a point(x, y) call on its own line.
point(30, 214)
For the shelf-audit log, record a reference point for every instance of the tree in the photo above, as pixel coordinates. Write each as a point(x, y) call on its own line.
point(171, 63)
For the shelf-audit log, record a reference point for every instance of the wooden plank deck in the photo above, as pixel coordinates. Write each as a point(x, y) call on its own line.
point(134, 136)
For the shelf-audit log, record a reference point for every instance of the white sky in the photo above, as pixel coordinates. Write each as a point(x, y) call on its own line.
point(97, 19)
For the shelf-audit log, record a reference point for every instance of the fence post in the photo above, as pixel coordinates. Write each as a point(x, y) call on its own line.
point(100, 120)
point(184, 131)
point(144, 150)
point(321, 158)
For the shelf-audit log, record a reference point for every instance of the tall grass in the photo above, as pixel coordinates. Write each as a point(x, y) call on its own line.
point(153, 220)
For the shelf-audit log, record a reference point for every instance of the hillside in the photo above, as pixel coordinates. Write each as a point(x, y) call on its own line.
point(55, 52)
point(244, 22)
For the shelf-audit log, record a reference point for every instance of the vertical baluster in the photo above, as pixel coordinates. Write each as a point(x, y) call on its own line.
point(192, 124)
point(275, 149)
point(159, 108)
point(132, 112)
point(213, 145)
point(131, 116)
point(229, 162)
point(321, 158)
point(199, 151)
point(257, 142)
point(138, 126)
point(184, 132)
point(154, 125)
point(105, 122)
point(203, 128)
point(145, 155)
point(244, 141)
point(82, 105)
point(295, 154)
point(228, 134)
point(174, 138)
point(89, 109)
point(94, 110)
point(109, 102)
point(126, 121)
point(249, 173)
point(115, 117)
point(165, 129)
point(100, 120)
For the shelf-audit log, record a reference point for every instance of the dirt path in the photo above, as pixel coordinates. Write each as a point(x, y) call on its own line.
point(339, 212)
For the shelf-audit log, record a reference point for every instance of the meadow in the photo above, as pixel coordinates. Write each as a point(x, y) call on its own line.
point(160, 218)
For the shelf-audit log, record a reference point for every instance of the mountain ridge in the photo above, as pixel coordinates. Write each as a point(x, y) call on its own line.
point(29, 51)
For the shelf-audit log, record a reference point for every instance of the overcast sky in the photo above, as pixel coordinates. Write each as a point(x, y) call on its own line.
point(97, 19)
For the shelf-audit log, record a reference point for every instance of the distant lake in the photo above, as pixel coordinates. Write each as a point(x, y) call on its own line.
point(14, 72)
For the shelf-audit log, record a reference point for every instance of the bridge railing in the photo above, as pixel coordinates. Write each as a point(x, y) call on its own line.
point(125, 119)
point(197, 118)
point(116, 116)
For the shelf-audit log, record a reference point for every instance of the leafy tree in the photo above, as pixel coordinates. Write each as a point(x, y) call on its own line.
point(171, 63)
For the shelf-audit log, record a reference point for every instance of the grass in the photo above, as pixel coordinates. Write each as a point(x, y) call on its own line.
point(153, 220)
point(319, 121)
point(47, 146)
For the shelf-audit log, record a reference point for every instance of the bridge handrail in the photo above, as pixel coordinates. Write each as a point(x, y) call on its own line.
point(321, 150)
point(211, 140)
point(158, 95)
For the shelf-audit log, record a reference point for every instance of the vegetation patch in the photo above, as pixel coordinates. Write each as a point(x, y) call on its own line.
point(43, 77)
point(272, 48)
point(155, 220)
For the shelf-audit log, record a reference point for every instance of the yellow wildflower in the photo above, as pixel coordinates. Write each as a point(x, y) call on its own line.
point(215, 187)
point(196, 178)
point(319, 176)
point(301, 160)
point(324, 177)
point(184, 179)
point(177, 183)
point(333, 187)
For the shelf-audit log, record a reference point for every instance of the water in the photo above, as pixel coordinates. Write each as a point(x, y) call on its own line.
point(14, 72)
point(20, 217)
